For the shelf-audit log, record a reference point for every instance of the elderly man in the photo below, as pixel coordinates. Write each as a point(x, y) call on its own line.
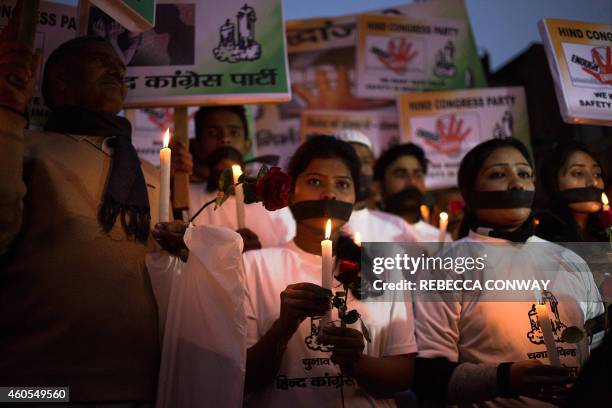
point(76, 205)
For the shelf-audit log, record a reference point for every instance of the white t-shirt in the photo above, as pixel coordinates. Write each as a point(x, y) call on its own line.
point(378, 226)
point(307, 377)
point(257, 218)
point(426, 232)
point(372, 225)
point(494, 332)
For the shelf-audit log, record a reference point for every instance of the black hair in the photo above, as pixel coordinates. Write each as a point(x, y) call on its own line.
point(392, 154)
point(324, 147)
point(69, 49)
point(470, 167)
point(557, 222)
point(556, 160)
point(205, 110)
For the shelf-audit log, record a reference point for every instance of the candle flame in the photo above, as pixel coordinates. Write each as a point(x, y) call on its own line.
point(357, 239)
point(443, 216)
point(166, 138)
point(604, 199)
point(237, 172)
point(328, 229)
point(424, 212)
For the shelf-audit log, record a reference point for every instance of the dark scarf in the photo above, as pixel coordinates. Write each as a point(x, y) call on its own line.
point(519, 235)
point(126, 189)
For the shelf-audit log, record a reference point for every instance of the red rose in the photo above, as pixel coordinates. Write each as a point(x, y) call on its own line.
point(273, 189)
point(456, 206)
point(348, 273)
point(606, 218)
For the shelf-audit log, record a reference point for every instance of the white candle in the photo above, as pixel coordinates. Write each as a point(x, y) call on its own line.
point(424, 212)
point(165, 155)
point(239, 195)
point(549, 339)
point(326, 266)
point(605, 202)
point(443, 226)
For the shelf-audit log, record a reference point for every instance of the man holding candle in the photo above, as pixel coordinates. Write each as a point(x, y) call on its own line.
point(222, 141)
point(76, 306)
point(400, 172)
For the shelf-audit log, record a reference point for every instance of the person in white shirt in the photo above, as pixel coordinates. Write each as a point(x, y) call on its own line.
point(400, 172)
point(222, 140)
point(372, 225)
point(495, 351)
point(260, 229)
point(289, 361)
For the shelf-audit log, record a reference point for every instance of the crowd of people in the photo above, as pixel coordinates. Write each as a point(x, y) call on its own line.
point(79, 214)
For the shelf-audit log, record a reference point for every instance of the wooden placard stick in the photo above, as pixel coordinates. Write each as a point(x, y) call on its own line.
point(180, 181)
point(26, 12)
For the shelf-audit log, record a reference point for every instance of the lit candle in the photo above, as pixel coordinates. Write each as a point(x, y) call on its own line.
point(443, 226)
point(239, 195)
point(165, 155)
point(326, 266)
point(605, 202)
point(549, 340)
point(424, 212)
point(357, 239)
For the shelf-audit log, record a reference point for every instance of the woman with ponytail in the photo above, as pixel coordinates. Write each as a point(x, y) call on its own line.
point(290, 360)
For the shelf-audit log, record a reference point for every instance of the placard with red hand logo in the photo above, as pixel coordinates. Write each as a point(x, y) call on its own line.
point(580, 59)
point(446, 124)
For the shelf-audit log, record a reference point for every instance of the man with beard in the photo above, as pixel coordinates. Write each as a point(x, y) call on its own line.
point(372, 225)
point(400, 171)
point(76, 205)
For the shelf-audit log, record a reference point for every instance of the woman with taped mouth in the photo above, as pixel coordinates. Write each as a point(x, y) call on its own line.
point(290, 363)
point(573, 180)
point(487, 348)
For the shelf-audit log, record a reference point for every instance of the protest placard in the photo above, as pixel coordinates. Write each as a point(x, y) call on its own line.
point(380, 126)
point(580, 59)
point(447, 124)
point(401, 54)
point(202, 52)
point(56, 24)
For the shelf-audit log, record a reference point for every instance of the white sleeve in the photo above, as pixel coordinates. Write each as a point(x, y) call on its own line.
point(437, 328)
point(400, 338)
point(590, 301)
point(250, 299)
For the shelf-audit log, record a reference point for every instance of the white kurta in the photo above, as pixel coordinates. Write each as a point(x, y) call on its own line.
point(307, 377)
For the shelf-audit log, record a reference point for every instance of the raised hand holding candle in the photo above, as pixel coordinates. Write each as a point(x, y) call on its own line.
point(549, 339)
point(326, 266)
point(443, 226)
point(239, 194)
point(165, 155)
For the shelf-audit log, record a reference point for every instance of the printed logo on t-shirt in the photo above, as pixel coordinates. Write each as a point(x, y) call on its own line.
point(535, 335)
point(311, 341)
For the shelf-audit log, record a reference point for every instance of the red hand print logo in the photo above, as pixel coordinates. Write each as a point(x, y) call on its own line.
point(449, 138)
point(398, 55)
point(604, 73)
